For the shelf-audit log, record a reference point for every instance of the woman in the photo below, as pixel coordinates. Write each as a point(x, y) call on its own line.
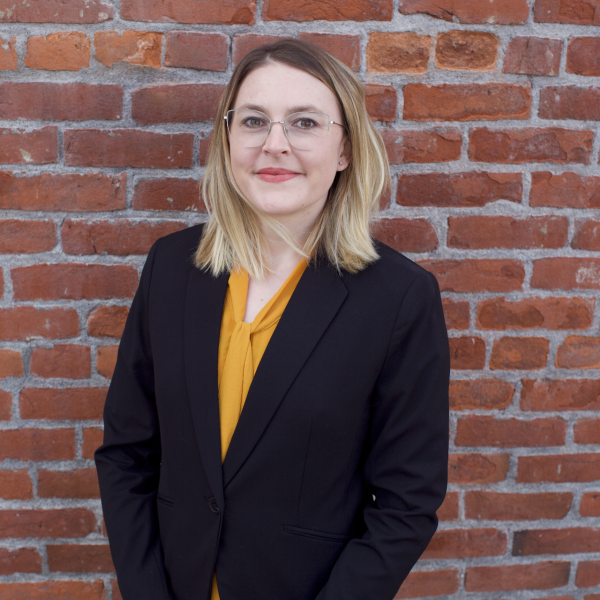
point(325, 486)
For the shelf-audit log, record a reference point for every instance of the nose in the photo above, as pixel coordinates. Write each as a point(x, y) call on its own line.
point(276, 142)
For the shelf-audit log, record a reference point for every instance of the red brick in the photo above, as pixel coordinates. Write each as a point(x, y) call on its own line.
point(204, 140)
point(92, 439)
point(570, 540)
point(458, 189)
point(570, 102)
point(583, 56)
point(80, 483)
point(74, 282)
point(456, 313)
point(11, 363)
point(107, 321)
point(467, 353)
point(533, 56)
point(566, 273)
point(470, 50)
point(128, 148)
point(183, 103)
point(71, 192)
point(70, 361)
point(556, 598)
point(170, 193)
point(80, 558)
point(477, 468)
point(20, 560)
point(45, 101)
point(37, 444)
point(560, 468)
point(26, 237)
point(480, 394)
point(591, 597)
point(510, 433)
point(22, 147)
point(116, 593)
point(53, 590)
point(57, 523)
point(136, 47)
point(346, 48)
point(55, 11)
point(507, 232)
point(63, 51)
point(578, 12)
point(472, 102)
point(233, 12)
point(27, 322)
point(519, 353)
point(58, 404)
point(398, 52)
point(587, 235)
point(428, 146)
point(120, 237)
point(356, 10)
point(568, 190)
point(477, 275)
point(540, 576)
point(448, 511)
point(5, 406)
point(560, 394)
point(382, 102)
point(531, 144)
point(429, 583)
point(501, 12)
point(106, 360)
point(407, 235)
point(579, 352)
point(245, 42)
point(15, 485)
point(8, 54)
point(588, 574)
point(493, 506)
point(546, 313)
point(587, 431)
point(201, 51)
point(590, 505)
point(466, 543)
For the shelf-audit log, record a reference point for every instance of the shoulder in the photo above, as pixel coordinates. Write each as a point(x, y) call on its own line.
point(180, 244)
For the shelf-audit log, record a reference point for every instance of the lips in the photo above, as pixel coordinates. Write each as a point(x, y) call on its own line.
point(272, 175)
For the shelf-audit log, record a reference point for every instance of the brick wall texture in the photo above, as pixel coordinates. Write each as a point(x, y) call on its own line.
point(490, 110)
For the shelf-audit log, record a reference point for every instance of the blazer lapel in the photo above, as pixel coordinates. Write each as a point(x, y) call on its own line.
point(315, 301)
point(203, 313)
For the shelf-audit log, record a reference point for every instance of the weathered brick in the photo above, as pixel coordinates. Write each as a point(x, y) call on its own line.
point(196, 50)
point(345, 48)
point(56, 11)
point(71, 361)
point(587, 431)
point(427, 146)
point(232, 12)
point(477, 275)
point(21, 237)
point(564, 190)
point(107, 321)
point(477, 468)
point(39, 146)
point(579, 352)
point(466, 543)
point(560, 468)
point(136, 47)
point(407, 235)
point(539, 576)
point(15, 485)
point(5, 406)
point(467, 352)
point(448, 511)
point(58, 404)
point(480, 394)
point(502, 12)
point(577, 12)
point(583, 55)
point(37, 444)
point(55, 523)
point(245, 42)
point(8, 54)
point(382, 102)
point(355, 10)
point(533, 56)
point(588, 574)
point(471, 50)
point(570, 102)
point(458, 189)
point(456, 313)
point(63, 51)
point(116, 593)
point(106, 360)
point(74, 282)
point(80, 558)
point(429, 583)
point(79, 483)
point(570, 540)
point(560, 394)
point(92, 439)
point(20, 560)
point(53, 590)
point(45, 101)
point(590, 504)
point(128, 148)
point(546, 313)
point(169, 193)
point(494, 506)
point(531, 144)
point(587, 235)
point(398, 52)
point(11, 363)
point(519, 353)
point(27, 323)
point(564, 273)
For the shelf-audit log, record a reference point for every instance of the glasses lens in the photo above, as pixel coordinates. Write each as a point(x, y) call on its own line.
point(247, 128)
point(305, 129)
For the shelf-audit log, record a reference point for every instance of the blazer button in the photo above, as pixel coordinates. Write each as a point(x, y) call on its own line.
point(213, 505)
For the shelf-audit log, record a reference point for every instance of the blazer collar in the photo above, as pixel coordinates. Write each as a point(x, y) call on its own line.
point(314, 303)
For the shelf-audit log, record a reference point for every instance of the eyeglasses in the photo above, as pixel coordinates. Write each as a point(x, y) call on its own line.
point(251, 128)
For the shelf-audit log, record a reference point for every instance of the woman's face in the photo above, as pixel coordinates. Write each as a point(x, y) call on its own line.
point(278, 179)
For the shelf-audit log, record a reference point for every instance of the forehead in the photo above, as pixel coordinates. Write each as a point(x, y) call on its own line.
point(278, 88)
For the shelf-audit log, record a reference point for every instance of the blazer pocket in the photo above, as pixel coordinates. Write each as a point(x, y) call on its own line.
point(317, 535)
point(165, 501)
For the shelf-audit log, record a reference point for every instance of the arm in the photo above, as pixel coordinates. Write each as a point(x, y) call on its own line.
point(128, 462)
point(406, 466)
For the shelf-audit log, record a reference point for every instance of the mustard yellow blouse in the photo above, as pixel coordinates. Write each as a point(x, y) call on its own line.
point(241, 347)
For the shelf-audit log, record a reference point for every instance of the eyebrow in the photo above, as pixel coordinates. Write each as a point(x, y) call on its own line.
point(293, 109)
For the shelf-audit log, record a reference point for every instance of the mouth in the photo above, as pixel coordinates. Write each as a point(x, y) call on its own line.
point(276, 175)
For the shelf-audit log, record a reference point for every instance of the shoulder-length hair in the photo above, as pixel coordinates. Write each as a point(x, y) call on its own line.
point(342, 233)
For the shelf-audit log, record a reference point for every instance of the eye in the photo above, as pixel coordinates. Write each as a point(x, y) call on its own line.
point(253, 122)
point(304, 123)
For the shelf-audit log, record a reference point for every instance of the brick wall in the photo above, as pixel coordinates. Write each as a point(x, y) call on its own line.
point(490, 111)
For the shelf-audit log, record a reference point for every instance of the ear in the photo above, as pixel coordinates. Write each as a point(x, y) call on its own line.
point(345, 154)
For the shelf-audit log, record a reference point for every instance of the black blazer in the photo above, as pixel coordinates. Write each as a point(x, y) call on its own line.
point(338, 463)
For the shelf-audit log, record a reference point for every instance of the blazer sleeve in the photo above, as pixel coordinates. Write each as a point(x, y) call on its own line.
point(406, 467)
point(128, 462)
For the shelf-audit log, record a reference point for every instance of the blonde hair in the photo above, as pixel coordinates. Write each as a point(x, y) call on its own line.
point(232, 237)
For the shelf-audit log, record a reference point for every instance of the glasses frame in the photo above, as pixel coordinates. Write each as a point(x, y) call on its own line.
point(310, 112)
